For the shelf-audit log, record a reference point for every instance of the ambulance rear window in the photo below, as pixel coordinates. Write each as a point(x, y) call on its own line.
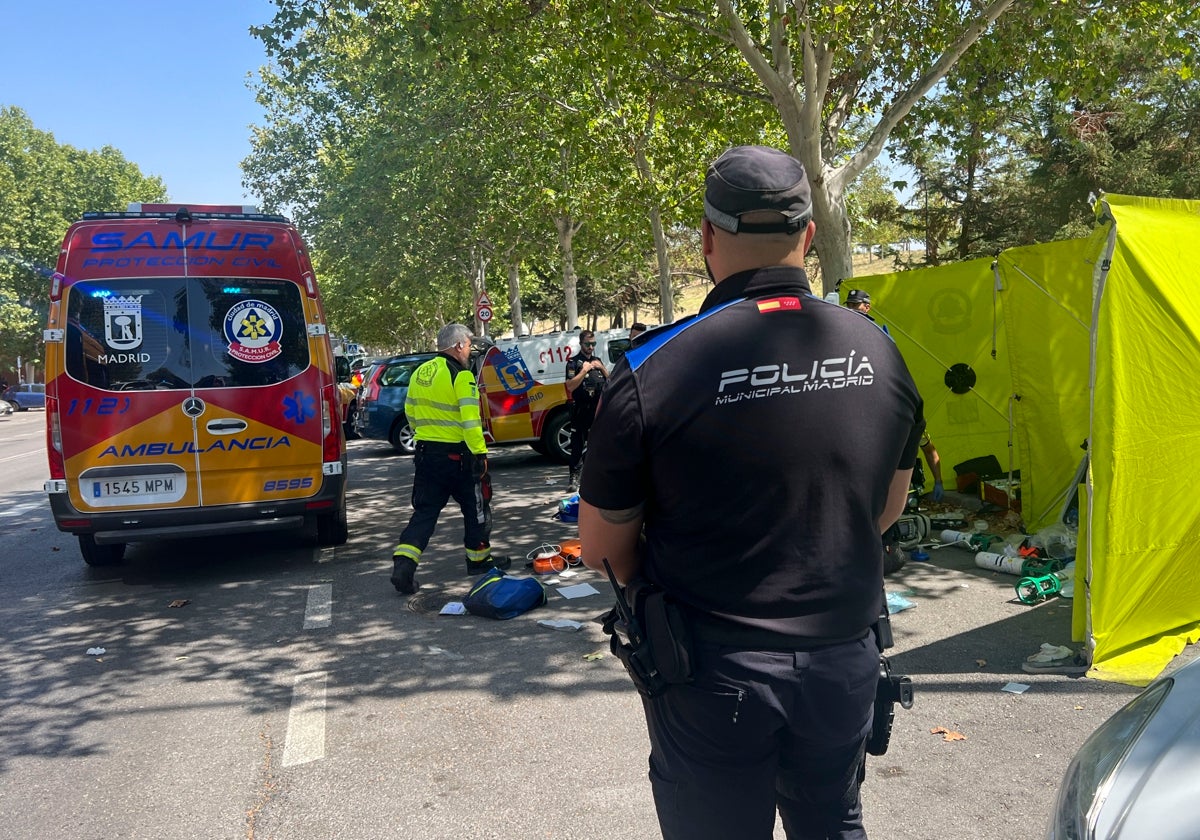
point(182, 333)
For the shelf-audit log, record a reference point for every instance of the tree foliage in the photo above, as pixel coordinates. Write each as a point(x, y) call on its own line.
point(433, 147)
point(44, 186)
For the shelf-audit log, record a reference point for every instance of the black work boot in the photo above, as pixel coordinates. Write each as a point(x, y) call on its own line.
point(404, 570)
point(478, 567)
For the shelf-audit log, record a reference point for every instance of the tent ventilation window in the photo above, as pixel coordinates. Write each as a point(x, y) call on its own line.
point(960, 378)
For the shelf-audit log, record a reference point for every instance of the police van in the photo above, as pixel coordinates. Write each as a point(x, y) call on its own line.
point(522, 387)
point(190, 383)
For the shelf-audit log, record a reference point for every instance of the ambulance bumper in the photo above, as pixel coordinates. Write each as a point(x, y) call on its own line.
point(126, 526)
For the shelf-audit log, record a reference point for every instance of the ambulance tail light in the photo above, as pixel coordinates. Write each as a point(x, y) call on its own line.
point(331, 439)
point(54, 451)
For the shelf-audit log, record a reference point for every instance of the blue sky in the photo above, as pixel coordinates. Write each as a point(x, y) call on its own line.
point(162, 81)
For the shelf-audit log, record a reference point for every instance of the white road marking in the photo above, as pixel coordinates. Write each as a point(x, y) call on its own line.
point(21, 455)
point(22, 510)
point(319, 612)
point(306, 720)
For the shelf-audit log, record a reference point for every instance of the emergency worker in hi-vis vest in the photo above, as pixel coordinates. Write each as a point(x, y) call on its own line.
point(450, 460)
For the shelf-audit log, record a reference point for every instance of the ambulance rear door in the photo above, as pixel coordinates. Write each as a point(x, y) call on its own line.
point(187, 378)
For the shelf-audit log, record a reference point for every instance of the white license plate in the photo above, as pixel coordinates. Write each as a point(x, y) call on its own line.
point(143, 489)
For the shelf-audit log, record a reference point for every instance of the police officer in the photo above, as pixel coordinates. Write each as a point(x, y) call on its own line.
point(586, 376)
point(442, 407)
point(860, 302)
point(759, 449)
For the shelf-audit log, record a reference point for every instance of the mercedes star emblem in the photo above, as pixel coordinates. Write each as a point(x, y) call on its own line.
point(193, 406)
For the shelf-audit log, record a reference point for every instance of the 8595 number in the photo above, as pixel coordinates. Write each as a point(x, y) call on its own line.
point(287, 484)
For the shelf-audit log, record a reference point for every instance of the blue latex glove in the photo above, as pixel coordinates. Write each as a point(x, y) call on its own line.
point(938, 491)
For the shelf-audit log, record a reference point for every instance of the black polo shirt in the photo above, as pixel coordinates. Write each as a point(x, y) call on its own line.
point(593, 382)
point(762, 436)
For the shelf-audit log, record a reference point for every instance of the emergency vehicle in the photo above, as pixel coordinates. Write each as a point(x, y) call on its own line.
point(522, 387)
point(190, 384)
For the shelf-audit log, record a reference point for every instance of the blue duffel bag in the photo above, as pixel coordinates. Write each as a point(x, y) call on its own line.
point(498, 595)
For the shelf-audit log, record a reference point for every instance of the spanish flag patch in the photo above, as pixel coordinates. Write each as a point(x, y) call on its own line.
point(779, 304)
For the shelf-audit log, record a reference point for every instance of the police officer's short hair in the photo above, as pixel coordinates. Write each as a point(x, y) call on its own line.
point(453, 334)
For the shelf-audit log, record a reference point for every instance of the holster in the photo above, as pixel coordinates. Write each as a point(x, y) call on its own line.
point(655, 647)
point(890, 690)
point(666, 630)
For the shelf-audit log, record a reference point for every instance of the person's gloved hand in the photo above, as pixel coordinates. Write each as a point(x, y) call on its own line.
point(938, 491)
point(479, 466)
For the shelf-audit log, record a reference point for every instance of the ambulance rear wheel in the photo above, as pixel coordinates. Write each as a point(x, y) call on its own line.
point(556, 437)
point(332, 528)
point(403, 438)
point(95, 554)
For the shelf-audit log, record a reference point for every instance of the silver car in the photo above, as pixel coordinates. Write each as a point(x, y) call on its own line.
point(1138, 776)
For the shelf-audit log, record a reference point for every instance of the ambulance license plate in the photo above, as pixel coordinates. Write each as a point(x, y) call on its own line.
point(142, 489)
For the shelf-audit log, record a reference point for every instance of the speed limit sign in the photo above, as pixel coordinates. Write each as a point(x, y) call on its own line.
point(484, 313)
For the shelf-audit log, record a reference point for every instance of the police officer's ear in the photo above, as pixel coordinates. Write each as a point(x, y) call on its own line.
point(706, 236)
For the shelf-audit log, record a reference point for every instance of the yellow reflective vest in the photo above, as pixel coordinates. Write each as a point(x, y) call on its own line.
point(442, 405)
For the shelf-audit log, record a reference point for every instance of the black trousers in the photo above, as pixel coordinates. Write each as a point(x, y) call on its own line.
point(443, 473)
point(582, 415)
point(759, 731)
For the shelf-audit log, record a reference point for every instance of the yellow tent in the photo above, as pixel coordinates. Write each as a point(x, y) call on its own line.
point(1143, 603)
point(947, 324)
point(1084, 342)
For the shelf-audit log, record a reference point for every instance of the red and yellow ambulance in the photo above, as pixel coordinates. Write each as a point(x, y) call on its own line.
point(190, 384)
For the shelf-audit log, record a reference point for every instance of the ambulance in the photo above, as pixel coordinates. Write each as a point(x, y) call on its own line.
point(522, 387)
point(190, 382)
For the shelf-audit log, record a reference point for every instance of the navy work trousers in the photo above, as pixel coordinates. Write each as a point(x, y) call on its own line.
point(443, 472)
point(582, 414)
point(761, 730)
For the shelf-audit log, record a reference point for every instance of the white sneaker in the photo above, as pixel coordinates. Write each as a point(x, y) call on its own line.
point(1050, 653)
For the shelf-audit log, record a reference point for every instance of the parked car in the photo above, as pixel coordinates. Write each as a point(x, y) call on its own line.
point(381, 401)
point(347, 396)
point(6, 408)
point(26, 396)
point(1135, 777)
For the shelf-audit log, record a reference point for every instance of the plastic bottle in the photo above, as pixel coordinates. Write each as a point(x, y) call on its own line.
point(1000, 562)
point(956, 536)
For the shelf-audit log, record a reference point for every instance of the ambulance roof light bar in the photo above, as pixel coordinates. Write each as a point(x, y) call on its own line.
point(191, 211)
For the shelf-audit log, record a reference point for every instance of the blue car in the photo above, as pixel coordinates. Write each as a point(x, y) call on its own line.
point(26, 396)
point(381, 402)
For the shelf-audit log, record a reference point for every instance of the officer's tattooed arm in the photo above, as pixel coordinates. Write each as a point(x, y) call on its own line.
point(611, 534)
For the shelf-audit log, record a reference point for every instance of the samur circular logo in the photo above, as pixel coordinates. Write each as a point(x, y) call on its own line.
point(253, 329)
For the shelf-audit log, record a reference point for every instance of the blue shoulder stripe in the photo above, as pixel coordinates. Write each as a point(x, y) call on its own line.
point(637, 355)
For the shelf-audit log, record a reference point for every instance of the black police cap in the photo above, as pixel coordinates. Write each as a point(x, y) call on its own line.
point(857, 296)
point(752, 178)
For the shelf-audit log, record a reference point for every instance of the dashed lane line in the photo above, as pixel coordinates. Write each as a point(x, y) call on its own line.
point(306, 720)
point(319, 611)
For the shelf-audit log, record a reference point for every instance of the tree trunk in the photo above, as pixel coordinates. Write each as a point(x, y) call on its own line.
point(566, 233)
point(514, 298)
point(666, 293)
point(478, 276)
point(832, 239)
